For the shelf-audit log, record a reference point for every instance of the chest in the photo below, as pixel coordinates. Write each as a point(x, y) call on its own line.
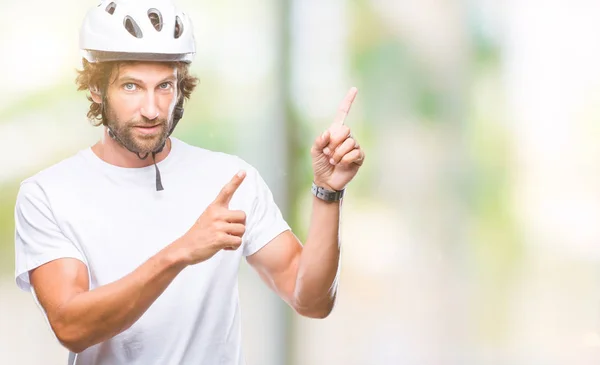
point(118, 232)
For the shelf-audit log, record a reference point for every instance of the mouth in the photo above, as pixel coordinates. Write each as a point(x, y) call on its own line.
point(148, 129)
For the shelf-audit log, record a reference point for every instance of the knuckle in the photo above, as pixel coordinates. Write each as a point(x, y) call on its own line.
point(219, 226)
point(226, 190)
point(216, 226)
point(222, 237)
point(344, 131)
point(339, 153)
point(239, 216)
point(220, 214)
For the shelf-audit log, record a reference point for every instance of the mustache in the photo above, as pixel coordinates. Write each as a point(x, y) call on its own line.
point(145, 122)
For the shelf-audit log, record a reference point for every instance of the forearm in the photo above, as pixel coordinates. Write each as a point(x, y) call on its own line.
point(95, 316)
point(316, 282)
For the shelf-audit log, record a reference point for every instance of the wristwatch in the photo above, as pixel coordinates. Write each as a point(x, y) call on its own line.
point(326, 194)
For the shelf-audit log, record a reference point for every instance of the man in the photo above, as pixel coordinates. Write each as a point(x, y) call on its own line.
point(132, 246)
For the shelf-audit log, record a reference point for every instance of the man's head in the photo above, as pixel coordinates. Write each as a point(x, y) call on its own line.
point(136, 56)
point(130, 96)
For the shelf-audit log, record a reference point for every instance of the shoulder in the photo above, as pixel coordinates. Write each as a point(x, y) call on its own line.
point(59, 175)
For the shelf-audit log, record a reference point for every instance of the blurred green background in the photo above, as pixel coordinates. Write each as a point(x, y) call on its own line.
point(471, 234)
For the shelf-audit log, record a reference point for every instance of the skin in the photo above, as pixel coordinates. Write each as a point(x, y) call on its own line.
point(305, 276)
point(141, 97)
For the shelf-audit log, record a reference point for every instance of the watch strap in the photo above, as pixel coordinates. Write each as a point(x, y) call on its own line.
point(326, 194)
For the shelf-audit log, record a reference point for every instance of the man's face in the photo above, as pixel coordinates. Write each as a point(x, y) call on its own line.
point(140, 103)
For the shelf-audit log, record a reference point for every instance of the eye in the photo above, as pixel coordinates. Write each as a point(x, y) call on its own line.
point(165, 85)
point(130, 86)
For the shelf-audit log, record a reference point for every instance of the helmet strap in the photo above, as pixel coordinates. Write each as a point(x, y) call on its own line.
point(177, 115)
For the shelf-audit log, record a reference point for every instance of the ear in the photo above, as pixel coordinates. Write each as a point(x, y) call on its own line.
point(96, 96)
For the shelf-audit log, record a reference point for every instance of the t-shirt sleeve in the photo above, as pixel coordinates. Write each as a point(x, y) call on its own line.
point(38, 238)
point(264, 220)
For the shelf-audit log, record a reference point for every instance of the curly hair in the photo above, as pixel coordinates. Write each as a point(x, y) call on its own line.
point(96, 76)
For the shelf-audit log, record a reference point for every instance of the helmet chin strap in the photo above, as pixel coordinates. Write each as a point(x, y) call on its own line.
point(177, 115)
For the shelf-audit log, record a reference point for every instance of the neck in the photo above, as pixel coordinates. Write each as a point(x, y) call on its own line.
point(113, 153)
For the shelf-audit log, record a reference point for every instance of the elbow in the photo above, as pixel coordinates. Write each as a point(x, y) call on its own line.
point(315, 311)
point(72, 344)
point(317, 314)
point(69, 337)
point(316, 303)
point(75, 347)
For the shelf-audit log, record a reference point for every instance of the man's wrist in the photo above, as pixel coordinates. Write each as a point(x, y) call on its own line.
point(174, 256)
point(325, 185)
point(326, 193)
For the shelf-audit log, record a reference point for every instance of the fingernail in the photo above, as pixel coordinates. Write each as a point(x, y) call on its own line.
point(242, 173)
point(326, 151)
point(332, 161)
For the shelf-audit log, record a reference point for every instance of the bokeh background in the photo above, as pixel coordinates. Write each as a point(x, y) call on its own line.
point(471, 235)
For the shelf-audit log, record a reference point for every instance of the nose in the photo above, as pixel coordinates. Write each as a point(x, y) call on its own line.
point(149, 108)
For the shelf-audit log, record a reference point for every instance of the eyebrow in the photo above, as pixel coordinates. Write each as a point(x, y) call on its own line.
point(126, 79)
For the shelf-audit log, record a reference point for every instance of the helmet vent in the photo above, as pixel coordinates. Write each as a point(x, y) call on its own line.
point(111, 8)
point(156, 19)
point(178, 27)
point(132, 27)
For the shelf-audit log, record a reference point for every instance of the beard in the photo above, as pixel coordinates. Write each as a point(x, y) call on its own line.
point(132, 139)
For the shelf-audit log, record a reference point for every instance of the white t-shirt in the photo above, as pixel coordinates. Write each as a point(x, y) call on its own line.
point(113, 219)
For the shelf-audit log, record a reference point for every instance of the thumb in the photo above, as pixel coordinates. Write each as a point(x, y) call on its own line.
point(230, 188)
point(321, 142)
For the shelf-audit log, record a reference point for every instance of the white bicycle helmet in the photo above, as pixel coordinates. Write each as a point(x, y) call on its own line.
point(136, 30)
